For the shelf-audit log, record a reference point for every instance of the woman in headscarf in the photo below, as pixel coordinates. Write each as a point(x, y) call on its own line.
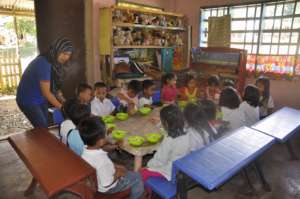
point(42, 81)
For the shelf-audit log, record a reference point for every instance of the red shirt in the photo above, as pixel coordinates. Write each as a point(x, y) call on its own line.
point(169, 93)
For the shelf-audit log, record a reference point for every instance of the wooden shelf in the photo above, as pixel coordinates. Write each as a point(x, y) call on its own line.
point(129, 25)
point(120, 47)
point(148, 11)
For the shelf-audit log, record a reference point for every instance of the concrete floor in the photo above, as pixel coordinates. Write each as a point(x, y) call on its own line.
point(282, 174)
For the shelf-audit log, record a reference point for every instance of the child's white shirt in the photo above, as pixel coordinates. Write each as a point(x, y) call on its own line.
point(235, 117)
point(145, 101)
point(263, 111)
point(168, 151)
point(135, 100)
point(102, 108)
point(105, 168)
point(65, 127)
point(251, 113)
point(196, 141)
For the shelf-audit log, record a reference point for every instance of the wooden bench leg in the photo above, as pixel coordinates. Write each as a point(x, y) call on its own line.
point(290, 149)
point(31, 187)
point(262, 177)
point(182, 188)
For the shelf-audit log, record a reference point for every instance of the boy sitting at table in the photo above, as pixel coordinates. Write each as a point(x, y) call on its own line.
point(148, 92)
point(129, 97)
point(111, 178)
point(101, 105)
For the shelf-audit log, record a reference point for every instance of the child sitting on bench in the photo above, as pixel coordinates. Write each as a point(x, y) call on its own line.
point(111, 178)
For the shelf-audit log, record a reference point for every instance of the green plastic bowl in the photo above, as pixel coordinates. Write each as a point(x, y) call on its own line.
point(145, 110)
point(119, 134)
point(153, 137)
point(122, 116)
point(108, 119)
point(136, 140)
point(110, 125)
point(182, 103)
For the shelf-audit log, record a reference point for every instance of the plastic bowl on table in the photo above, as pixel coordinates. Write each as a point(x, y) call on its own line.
point(108, 119)
point(118, 134)
point(136, 140)
point(110, 125)
point(145, 110)
point(153, 137)
point(122, 116)
point(182, 103)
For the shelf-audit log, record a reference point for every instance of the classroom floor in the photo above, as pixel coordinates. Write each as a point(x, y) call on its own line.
point(283, 175)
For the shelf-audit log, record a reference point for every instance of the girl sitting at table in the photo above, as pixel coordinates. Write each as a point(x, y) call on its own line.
point(266, 103)
point(148, 92)
point(213, 88)
point(161, 164)
point(190, 91)
point(199, 130)
point(169, 91)
point(229, 103)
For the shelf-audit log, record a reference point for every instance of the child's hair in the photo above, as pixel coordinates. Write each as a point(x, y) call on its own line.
point(229, 98)
point(266, 93)
point(83, 87)
point(167, 77)
point(147, 83)
point(172, 120)
point(210, 108)
point(196, 118)
point(99, 85)
point(91, 130)
point(251, 95)
point(228, 82)
point(67, 107)
point(188, 78)
point(79, 112)
point(135, 86)
point(213, 80)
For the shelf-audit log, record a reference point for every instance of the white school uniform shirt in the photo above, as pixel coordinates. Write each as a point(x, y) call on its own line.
point(235, 117)
point(251, 113)
point(105, 168)
point(65, 127)
point(102, 108)
point(145, 101)
point(196, 141)
point(263, 111)
point(169, 150)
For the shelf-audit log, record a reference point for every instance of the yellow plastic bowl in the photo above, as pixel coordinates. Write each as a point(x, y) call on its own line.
point(145, 110)
point(108, 119)
point(153, 137)
point(136, 140)
point(122, 116)
point(119, 134)
point(182, 103)
point(110, 125)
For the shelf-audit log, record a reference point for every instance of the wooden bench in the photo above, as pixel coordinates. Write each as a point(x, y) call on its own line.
point(55, 167)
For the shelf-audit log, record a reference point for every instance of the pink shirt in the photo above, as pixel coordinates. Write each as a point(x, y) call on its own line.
point(169, 93)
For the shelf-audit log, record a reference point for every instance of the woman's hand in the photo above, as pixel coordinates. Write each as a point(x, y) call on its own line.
point(45, 88)
point(60, 97)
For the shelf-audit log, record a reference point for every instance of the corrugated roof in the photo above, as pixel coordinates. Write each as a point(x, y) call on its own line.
point(19, 5)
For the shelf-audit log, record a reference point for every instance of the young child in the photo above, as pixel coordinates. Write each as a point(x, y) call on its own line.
point(266, 103)
point(229, 103)
point(250, 103)
point(169, 90)
point(174, 146)
point(84, 94)
point(228, 83)
point(100, 105)
point(129, 97)
point(69, 133)
point(213, 88)
point(111, 178)
point(148, 91)
point(198, 128)
point(190, 92)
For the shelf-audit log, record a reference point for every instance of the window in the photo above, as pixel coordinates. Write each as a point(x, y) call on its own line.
point(268, 31)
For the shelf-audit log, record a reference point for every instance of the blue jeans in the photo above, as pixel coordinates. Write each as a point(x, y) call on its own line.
point(132, 180)
point(37, 114)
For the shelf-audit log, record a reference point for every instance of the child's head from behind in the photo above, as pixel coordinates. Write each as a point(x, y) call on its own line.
point(190, 81)
point(229, 98)
point(251, 95)
point(100, 90)
point(213, 81)
point(228, 83)
point(148, 88)
point(133, 88)
point(169, 79)
point(79, 112)
point(84, 93)
point(93, 132)
point(263, 85)
point(210, 109)
point(172, 120)
point(195, 116)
